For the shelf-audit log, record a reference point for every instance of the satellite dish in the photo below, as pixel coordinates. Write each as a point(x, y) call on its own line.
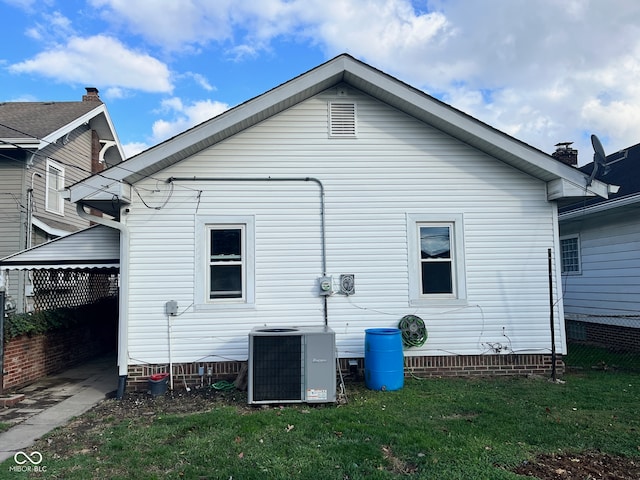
point(597, 148)
point(599, 159)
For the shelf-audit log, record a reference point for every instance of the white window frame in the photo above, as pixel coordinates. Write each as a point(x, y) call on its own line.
point(204, 225)
point(458, 268)
point(224, 261)
point(575, 237)
point(58, 206)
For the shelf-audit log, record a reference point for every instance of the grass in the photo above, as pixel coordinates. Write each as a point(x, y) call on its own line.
point(435, 428)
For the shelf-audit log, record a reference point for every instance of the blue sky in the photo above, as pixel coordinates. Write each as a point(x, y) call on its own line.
point(544, 71)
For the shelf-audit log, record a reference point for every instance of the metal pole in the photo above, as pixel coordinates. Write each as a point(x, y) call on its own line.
point(2, 300)
point(551, 319)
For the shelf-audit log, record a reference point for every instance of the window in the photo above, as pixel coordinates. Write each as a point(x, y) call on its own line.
point(436, 255)
point(55, 184)
point(436, 259)
point(224, 262)
point(570, 254)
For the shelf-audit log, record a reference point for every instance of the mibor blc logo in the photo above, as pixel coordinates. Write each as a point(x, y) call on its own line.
point(27, 462)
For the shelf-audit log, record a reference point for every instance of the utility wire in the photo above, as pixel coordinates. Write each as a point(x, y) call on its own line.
point(40, 154)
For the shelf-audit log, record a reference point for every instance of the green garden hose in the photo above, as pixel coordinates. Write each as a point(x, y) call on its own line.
point(414, 332)
point(223, 385)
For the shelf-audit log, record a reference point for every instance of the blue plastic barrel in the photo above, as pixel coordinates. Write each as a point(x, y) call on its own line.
point(383, 359)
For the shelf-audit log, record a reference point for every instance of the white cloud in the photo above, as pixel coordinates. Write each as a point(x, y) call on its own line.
point(201, 80)
point(133, 148)
point(174, 25)
point(23, 4)
point(184, 116)
point(543, 71)
point(115, 93)
point(99, 60)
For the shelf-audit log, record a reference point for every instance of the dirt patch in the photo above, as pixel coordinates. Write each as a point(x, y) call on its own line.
point(142, 408)
point(585, 466)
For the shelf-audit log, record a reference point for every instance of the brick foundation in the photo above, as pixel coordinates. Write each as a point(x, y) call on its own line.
point(477, 365)
point(29, 358)
point(441, 366)
point(138, 375)
point(611, 336)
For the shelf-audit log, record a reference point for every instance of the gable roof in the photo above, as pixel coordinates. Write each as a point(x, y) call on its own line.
point(34, 125)
point(100, 190)
point(623, 169)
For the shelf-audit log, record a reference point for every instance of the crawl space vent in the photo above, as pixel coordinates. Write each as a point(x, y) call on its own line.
point(342, 119)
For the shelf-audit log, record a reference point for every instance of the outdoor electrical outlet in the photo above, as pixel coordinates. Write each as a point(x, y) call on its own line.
point(201, 371)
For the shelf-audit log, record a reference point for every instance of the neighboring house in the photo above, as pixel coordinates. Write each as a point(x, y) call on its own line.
point(600, 241)
point(343, 170)
point(44, 147)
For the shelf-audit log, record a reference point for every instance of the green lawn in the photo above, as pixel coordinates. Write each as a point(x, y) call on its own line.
point(435, 428)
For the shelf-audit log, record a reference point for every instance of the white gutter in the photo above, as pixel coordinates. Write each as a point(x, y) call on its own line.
point(123, 314)
point(56, 232)
point(600, 207)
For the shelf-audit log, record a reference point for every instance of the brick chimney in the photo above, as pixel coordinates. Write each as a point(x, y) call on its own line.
point(91, 95)
point(566, 154)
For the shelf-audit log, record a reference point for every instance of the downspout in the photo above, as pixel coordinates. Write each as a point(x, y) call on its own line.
point(2, 302)
point(323, 239)
point(123, 317)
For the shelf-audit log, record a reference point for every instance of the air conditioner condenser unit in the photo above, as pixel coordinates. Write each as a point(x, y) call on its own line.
point(292, 365)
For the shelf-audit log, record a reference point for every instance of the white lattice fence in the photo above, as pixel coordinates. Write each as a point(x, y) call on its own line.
point(57, 288)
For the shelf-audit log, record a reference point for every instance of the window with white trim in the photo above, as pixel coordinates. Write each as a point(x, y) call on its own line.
point(227, 262)
point(437, 275)
point(570, 255)
point(54, 187)
point(224, 261)
point(436, 255)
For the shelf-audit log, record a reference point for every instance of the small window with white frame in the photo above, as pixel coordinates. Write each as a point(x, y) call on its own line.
point(437, 275)
point(570, 255)
point(436, 254)
point(225, 262)
point(54, 202)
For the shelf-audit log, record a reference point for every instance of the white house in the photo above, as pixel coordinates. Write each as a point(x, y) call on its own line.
point(343, 170)
point(600, 247)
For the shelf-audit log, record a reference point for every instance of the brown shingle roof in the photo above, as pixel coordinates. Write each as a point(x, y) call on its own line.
point(39, 119)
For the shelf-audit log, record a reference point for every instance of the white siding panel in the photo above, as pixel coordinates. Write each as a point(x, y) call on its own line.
point(394, 167)
point(609, 284)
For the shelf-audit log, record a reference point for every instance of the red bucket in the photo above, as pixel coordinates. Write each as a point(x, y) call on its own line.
point(158, 384)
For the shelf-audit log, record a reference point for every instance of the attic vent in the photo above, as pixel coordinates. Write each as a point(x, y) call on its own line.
point(342, 119)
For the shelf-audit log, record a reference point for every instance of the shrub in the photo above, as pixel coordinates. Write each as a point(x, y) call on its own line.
point(38, 323)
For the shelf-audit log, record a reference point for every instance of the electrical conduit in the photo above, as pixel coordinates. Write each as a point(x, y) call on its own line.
point(278, 179)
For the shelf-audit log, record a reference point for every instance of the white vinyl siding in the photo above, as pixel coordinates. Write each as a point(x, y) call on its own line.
point(395, 170)
point(609, 284)
point(54, 185)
